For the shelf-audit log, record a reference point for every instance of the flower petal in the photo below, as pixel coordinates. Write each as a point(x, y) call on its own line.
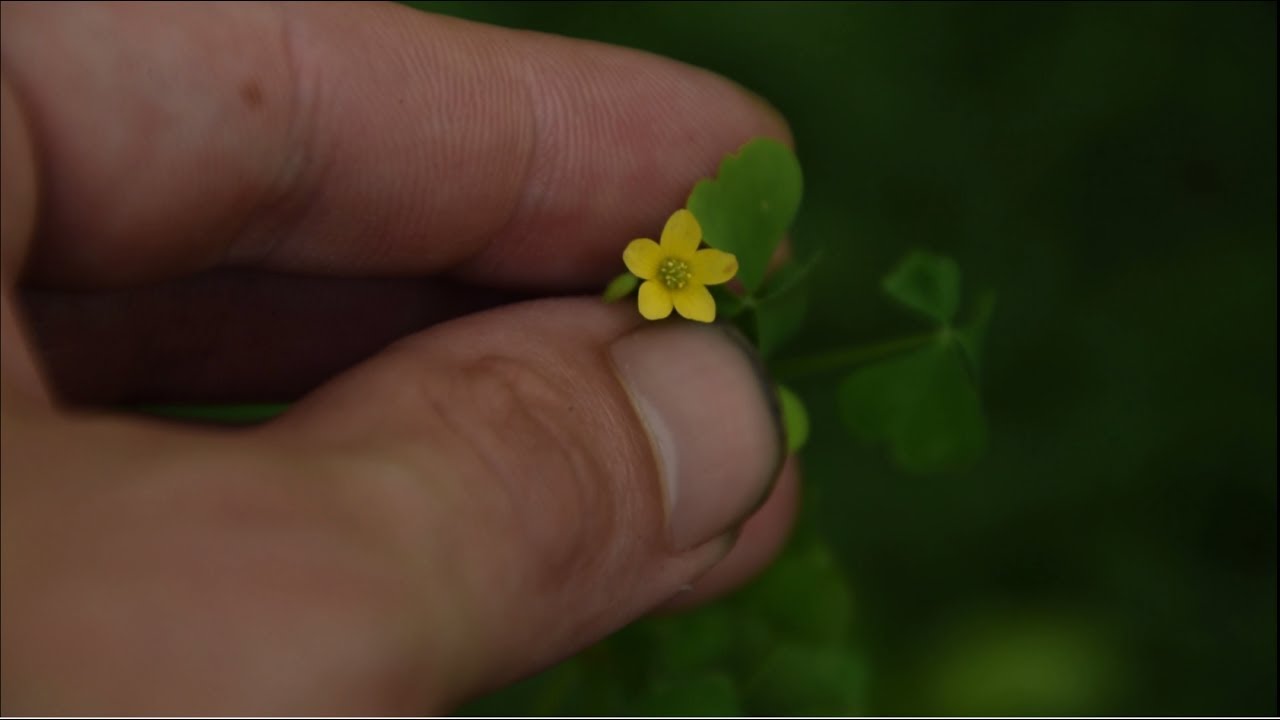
point(712, 267)
point(655, 300)
point(682, 235)
point(695, 302)
point(642, 257)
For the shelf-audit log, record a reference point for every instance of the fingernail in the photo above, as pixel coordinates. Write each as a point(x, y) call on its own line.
point(712, 419)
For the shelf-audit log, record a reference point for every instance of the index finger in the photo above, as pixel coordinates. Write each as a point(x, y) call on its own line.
point(361, 139)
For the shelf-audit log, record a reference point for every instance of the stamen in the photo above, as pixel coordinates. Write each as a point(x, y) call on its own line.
point(674, 273)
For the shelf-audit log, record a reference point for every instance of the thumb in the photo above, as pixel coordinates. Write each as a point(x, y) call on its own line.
point(555, 469)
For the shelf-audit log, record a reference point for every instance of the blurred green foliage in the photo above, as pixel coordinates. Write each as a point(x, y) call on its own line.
point(1110, 168)
point(922, 404)
point(782, 646)
point(923, 401)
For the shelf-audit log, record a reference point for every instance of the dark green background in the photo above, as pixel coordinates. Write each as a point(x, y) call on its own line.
point(1109, 169)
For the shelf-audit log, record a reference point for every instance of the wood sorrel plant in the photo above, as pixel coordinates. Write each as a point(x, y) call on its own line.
point(916, 395)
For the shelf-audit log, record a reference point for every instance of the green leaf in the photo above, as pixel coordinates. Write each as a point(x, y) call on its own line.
point(798, 680)
point(926, 283)
point(794, 418)
point(753, 638)
point(693, 641)
point(923, 405)
point(804, 596)
point(620, 287)
point(779, 319)
point(748, 207)
point(709, 694)
point(780, 312)
point(790, 275)
point(728, 305)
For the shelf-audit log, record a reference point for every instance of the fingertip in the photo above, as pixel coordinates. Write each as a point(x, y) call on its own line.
point(712, 423)
point(760, 540)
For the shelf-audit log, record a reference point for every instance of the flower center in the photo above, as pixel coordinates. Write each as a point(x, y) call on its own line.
point(674, 273)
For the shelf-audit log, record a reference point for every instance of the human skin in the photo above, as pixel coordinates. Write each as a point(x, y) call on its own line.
point(385, 216)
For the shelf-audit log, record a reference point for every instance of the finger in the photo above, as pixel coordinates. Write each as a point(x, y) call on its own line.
point(351, 139)
point(473, 504)
point(230, 335)
point(762, 537)
point(157, 570)
point(582, 470)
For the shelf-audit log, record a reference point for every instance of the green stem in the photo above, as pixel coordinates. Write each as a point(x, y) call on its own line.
point(243, 414)
point(839, 359)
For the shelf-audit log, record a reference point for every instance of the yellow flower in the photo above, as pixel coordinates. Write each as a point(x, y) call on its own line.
point(677, 273)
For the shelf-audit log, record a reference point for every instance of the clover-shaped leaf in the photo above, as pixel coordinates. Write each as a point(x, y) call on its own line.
point(749, 205)
point(822, 615)
point(924, 405)
point(928, 284)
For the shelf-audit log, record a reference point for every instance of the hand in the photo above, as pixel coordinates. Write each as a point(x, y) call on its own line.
point(240, 202)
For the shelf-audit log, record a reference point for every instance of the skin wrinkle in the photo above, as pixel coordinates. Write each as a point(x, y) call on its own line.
point(548, 89)
point(303, 168)
point(516, 502)
point(531, 197)
point(573, 123)
point(528, 405)
point(528, 504)
point(316, 160)
point(484, 148)
point(606, 130)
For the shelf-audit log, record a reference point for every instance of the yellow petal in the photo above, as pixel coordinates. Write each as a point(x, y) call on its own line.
point(695, 302)
point(642, 257)
point(655, 300)
point(682, 235)
point(712, 267)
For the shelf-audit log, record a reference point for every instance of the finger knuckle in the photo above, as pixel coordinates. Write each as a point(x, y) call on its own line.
point(539, 436)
